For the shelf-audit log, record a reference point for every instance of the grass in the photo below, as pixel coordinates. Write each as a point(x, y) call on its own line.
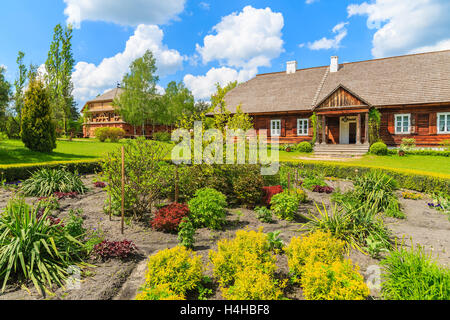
point(14, 152)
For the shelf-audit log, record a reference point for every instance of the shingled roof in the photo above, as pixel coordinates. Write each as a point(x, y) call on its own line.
point(108, 95)
point(411, 79)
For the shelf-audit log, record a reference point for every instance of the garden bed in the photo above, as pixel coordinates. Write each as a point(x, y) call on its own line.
point(114, 279)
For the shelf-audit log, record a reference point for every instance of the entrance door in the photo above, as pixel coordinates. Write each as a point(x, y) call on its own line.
point(347, 130)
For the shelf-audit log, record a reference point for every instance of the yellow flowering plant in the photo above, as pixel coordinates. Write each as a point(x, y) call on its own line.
point(159, 292)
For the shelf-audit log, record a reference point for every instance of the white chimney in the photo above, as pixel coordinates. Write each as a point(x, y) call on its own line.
point(291, 67)
point(334, 65)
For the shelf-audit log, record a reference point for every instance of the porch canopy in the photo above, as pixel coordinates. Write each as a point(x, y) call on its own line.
point(343, 117)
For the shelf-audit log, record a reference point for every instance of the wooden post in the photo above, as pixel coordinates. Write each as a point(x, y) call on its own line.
point(176, 184)
point(317, 130)
point(366, 129)
point(110, 205)
point(324, 141)
point(123, 189)
point(358, 129)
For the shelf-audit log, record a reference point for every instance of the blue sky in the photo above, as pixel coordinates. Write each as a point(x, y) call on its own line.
point(204, 42)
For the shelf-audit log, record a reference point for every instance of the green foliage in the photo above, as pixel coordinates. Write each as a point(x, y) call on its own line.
point(34, 249)
point(374, 126)
point(186, 233)
point(45, 182)
point(144, 182)
point(240, 120)
point(208, 209)
point(304, 147)
point(263, 214)
point(177, 101)
point(408, 144)
point(162, 136)
point(275, 242)
point(159, 292)
point(285, 205)
point(38, 130)
point(379, 148)
point(74, 225)
point(311, 181)
point(113, 134)
point(411, 274)
point(247, 187)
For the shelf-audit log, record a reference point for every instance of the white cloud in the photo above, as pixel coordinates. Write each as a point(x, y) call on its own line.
point(441, 45)
point(333, 43)
point(311, 1)
point(90, 79)
point(204, 5)
point(203, 86)
point(249, 39)
point(129, 12)
point(406, 26)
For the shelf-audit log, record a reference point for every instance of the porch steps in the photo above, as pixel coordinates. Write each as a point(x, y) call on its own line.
point(340, 150)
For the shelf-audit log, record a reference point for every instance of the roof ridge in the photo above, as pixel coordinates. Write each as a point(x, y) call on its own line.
point(319, 89)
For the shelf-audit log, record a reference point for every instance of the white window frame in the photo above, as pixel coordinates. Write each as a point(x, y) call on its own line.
point(300, 120)
point(446, 126)
point(409, 123)
point(272, 132)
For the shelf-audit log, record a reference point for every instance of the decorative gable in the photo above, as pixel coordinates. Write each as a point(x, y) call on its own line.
point(341, 97)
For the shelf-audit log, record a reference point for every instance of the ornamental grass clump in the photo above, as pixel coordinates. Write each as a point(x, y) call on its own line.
point(45, 182)
point(412, 274)
point(35, 249)
point(317, 246)
point(179, 269)
point(207, 209)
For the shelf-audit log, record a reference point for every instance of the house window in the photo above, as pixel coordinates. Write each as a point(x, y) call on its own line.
point(402, 123)
point(275, 128)
point(443, 122)
point(302, 127)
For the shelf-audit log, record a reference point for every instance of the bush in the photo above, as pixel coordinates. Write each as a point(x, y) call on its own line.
point(208, 209)
point(112, 133)
point(316, 247)
point(179, 268)
point(263, 214)
point(408, 144)
point(34, 248)
point(379, 148)
point(3, 136)
point(321, 189)
point(101, 133)
point(38, 129)
point(168, 218)
point(74, 225)
point(247, 188)
point(159, 292)
point(413, 275)
point(301, 195)
point(162, 136)
point(254, 284)
point(248, 248)
point(269, 192)
point(304, 147)
point(115, 250)
point(144, 181)
point(285, 205)
point(339, 280)
point(312, 181)
point(186, 233)
point(46, 182)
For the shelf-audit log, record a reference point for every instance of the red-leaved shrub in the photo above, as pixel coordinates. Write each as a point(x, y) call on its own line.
point(114, 249)
point(321, 189)
point(269, 192)
point(64, 195)
point(168, 218)
point(99, 184)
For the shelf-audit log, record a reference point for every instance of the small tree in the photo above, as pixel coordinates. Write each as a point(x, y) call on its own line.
point(38, 130)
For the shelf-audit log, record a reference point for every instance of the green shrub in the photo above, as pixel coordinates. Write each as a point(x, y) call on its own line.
point(101, 133)
point(22, 172)
point(310, 182)
point(3, 136)
point(74, 225)
point(304, 147)
point(408, 144)
point(208, 209)
point(111, 133)
point(45, 182)
point(285, 205)
point(144, 181)
point(413, 275)
point(263, 214)
point(186, 233)
point(248, 186)
point(38, 130)
point(34, 248)
point(159, 292)
point(379, 148)
point(162, 136)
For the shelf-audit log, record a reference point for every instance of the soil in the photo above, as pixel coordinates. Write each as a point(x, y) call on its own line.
point(121, 280)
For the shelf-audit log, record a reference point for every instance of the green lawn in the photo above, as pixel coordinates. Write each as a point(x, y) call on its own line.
point(14, 152)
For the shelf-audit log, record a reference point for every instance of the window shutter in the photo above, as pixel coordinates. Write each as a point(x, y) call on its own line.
point(283, 127)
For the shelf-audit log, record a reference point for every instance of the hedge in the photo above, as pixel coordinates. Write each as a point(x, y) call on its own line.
point(407, 179)
point(424, 152)
point(16, 172)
